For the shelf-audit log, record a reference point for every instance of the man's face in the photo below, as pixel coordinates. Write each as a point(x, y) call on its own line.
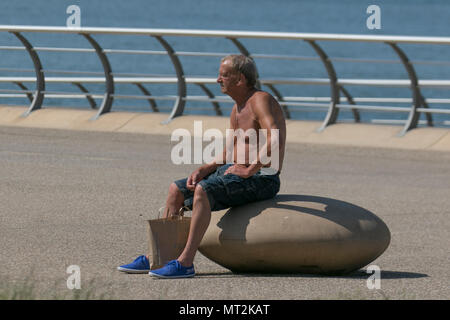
point(228, 77)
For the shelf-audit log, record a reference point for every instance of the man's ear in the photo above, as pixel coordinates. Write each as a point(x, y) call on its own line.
point(242, 80)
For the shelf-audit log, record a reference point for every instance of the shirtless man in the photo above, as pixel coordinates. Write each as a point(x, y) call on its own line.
point(220, 185)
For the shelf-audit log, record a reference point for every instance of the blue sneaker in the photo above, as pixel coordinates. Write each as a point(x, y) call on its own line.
point(140, 265)
point(172, 270)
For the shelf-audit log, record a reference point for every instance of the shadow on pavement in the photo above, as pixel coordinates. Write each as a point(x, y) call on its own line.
point(360, 274)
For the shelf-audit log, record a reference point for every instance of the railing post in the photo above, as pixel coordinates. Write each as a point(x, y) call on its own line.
point(88, 97)
point(109, 79)
point(333, 111)
point(23, 87)
point(352, 102)
point(418, 100)
point(179, 104)
point(144, 90)
point(38, 99)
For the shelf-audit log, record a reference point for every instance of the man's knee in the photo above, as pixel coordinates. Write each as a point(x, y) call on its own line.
point(201, 197)
point(199, 193)
point(173, 188)
point(175, 193)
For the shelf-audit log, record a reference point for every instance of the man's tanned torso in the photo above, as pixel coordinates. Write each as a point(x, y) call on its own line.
point(259, 111)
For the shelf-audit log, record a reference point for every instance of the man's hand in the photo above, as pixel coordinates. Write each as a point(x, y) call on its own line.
point(240, 170)
point(197, 176)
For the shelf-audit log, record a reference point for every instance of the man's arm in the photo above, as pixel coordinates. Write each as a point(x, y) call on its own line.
point(263, 110)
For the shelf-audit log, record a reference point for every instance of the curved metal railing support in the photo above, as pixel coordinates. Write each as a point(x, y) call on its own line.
point(89, 98)
point(242, 49)
point(180, 102)
point(333, 111)
point(352, 102)
point(418, 100)
point(38, 99)
point(109, 79)
point(210, 95)
point(23, 87)
point(145, 91)
point(427, 115)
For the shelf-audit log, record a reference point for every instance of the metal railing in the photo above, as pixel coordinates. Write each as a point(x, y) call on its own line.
point(339, 99)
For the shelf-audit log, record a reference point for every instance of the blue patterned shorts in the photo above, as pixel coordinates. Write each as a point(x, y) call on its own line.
point(225, 191)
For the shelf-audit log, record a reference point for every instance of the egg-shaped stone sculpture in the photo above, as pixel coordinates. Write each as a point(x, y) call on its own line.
point(295, 234)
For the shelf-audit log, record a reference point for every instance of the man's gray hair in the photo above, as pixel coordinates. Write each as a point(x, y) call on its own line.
point(244, 65)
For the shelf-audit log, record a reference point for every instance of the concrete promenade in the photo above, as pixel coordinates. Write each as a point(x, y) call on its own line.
point(75, 192)
point(363, 135)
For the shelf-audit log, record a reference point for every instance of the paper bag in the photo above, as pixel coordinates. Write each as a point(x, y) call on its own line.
point(167, 239)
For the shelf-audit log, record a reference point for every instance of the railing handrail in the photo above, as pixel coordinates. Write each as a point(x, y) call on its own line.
point(419, 103)
point(232, 34)
point(168, 79)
